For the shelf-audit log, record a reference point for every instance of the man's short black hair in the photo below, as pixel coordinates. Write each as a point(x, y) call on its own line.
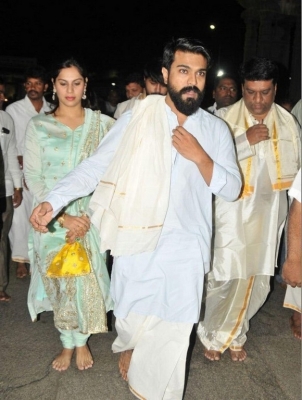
point(259, 69)
point(135, 77)
point(37, 72)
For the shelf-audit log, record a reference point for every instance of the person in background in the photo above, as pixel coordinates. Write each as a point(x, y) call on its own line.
point(111, 103)
point(291, 271)
point(225, 92)
point(34, 103)
point(157, 168)
point(247, 231)
point(55, 143)
point(153, 82)
point(286, 103)
point(134, 85)
point(2, 94)
point(10, 193)
point(297, 112)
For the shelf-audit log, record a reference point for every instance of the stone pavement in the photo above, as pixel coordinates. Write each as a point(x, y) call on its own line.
point(272, 370)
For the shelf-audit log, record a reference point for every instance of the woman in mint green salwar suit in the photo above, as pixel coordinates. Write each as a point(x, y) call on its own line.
point(55, 144)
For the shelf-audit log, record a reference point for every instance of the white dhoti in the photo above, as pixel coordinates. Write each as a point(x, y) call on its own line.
point(161, 347)
point(293, 298)
point(19, 232)
point(229, 306)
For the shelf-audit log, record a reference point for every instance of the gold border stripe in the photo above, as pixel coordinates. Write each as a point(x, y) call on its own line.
point(108, 183)
point(140, 227)
point(277, 185)
point(240, 316)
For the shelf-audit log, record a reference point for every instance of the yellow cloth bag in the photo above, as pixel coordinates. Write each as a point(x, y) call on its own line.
point(71, 260)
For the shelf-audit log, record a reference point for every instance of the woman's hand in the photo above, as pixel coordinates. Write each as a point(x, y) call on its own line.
point(77, 227)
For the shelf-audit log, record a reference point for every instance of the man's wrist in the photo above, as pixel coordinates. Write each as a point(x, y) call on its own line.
point(18, 188)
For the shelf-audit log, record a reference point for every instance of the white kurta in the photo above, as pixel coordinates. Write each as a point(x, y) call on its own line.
point(167, 282)
point(247, 231)
point(22, 111)
point(246, 238)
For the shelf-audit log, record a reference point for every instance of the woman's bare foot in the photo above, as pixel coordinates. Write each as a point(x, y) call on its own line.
point(295, 324)
point(124, 363)
point(62, 361)
point(84, 358)
point(238, 355)
point(22, 270)
point(212, 355)
point(4, 296)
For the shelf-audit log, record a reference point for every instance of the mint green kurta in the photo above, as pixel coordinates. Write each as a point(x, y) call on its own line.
point(52, 150)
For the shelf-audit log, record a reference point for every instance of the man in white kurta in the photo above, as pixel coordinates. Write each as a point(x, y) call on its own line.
point(10, 196)
point(159, 266)
point(22, 111)
point(291, 272)
point(247, 231)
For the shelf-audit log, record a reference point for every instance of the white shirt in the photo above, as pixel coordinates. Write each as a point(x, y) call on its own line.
point(213, 109)
point(13, 174)
point(22, 111)
point(126, 105)
point(167, 282)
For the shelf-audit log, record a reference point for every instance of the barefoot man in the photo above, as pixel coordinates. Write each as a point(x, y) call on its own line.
point(291, 271)
point(153, 178)
point(247, 231)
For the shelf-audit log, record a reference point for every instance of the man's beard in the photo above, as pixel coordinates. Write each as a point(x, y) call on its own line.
point(188, 106)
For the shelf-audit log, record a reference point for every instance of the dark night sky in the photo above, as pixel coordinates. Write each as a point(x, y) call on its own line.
point(122, 38)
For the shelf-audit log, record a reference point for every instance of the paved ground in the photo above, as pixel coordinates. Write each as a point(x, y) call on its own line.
point(272, 370)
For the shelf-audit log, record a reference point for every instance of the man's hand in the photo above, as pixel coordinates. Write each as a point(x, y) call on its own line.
point(17, 198)
point(41, 216)
point(188, 146)
point(291, 272)
point(257, 133)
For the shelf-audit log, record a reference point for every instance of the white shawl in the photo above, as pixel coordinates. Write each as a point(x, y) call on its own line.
point(130, 203)
point(282, 149)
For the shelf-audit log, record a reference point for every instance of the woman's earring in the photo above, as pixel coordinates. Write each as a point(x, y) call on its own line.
point(54, 94)
point(84, 95)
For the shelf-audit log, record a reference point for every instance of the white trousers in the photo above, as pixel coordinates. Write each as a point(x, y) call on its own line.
point(19, 231)
point(158, 363)
point(229, 305)
point(293, 298)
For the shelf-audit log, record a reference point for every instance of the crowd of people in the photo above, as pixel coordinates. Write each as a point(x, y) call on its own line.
point(189, 204)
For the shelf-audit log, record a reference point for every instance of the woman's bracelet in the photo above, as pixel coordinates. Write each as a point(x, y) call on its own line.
point(61, 220)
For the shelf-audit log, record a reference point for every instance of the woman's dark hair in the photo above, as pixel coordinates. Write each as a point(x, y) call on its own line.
point(90, 101)
point(186, 45)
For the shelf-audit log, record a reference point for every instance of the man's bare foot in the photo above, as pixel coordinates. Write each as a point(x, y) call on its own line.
point(212, 355)
point(295, 324)
point(22, 271)
point(84, 358)
point(238, 355)
point(4, 296)
point(62, 361)
point(124, 363)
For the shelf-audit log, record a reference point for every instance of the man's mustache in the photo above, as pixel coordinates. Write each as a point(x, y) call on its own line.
point(32, 92)
point(190, 89)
